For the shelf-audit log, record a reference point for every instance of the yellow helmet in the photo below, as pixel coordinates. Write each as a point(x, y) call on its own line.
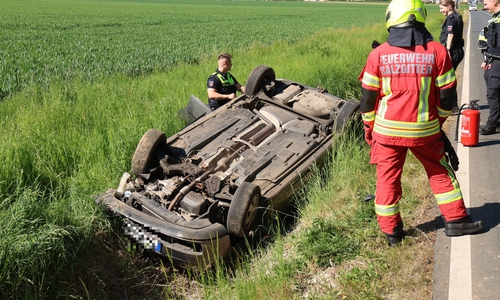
point(404, 13)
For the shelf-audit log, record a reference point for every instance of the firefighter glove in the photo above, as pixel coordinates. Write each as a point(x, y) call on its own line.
point(368, 134)
point(450, 152)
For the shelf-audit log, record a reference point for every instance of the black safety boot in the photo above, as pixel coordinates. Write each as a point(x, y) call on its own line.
point(462, 226)
point(487, 129)
point(398, 234)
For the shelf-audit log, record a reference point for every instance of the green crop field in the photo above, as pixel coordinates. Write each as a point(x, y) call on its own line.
point(80, 83)
point(43, 40)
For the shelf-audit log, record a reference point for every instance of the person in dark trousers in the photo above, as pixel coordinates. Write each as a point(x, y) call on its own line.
point(408, 86)
point(489, 43)
point(221, 85)
point(452, 36)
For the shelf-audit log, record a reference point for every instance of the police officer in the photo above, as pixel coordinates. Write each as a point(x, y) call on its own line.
point(221, 85)
point(401, 75)
point(452, 32)
point(489, 42)
point(452, 36)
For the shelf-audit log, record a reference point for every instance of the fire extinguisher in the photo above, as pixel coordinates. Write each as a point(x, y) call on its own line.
point(469, 126)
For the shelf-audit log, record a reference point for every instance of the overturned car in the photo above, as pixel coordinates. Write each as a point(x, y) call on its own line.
point(196, 194)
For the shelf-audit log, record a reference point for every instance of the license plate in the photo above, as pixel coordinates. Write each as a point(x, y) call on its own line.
point(144, 239)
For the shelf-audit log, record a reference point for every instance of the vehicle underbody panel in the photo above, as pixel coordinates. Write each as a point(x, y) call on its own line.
point(192, 195)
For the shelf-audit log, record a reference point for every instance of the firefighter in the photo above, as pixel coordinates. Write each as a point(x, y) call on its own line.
point(408, 86)
point(489, 43)
point(221, 85)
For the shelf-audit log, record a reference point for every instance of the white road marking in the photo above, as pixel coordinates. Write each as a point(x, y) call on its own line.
point(460, 285)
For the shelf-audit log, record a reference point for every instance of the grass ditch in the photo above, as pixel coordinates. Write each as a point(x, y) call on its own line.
point(63, 145)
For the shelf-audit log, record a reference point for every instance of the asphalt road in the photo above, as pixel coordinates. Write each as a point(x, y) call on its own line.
point(468, 267)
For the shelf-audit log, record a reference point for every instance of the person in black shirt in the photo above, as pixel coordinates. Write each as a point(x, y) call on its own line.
point(452, 32)
point(489, 43)
point(452, 36)
point(221, 85)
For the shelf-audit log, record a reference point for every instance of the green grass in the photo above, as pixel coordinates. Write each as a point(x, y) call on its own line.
point(44, 40)
point(70, 123)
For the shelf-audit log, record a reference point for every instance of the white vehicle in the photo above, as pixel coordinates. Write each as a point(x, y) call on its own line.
point(473, 7)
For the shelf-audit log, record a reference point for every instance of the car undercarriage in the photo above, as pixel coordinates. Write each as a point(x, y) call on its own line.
point(196, 193)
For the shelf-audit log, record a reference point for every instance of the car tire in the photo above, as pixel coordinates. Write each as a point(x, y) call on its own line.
point(259, 78)
point(348, 114)
point(243, 210)
point(144, 157)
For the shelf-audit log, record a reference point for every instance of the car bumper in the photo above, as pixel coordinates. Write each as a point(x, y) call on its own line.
point(187, 244)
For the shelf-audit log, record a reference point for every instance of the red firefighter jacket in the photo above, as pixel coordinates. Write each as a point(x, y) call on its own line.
point(407, 111)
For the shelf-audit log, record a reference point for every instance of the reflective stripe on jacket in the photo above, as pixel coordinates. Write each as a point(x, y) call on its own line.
point(228, 82)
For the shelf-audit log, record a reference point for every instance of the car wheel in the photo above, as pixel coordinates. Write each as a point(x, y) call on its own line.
point(144, 157)
point(260, 77)
point(348, 114)
point(243, 210)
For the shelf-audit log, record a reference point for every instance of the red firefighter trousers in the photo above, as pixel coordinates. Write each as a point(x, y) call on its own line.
point(390, 160)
